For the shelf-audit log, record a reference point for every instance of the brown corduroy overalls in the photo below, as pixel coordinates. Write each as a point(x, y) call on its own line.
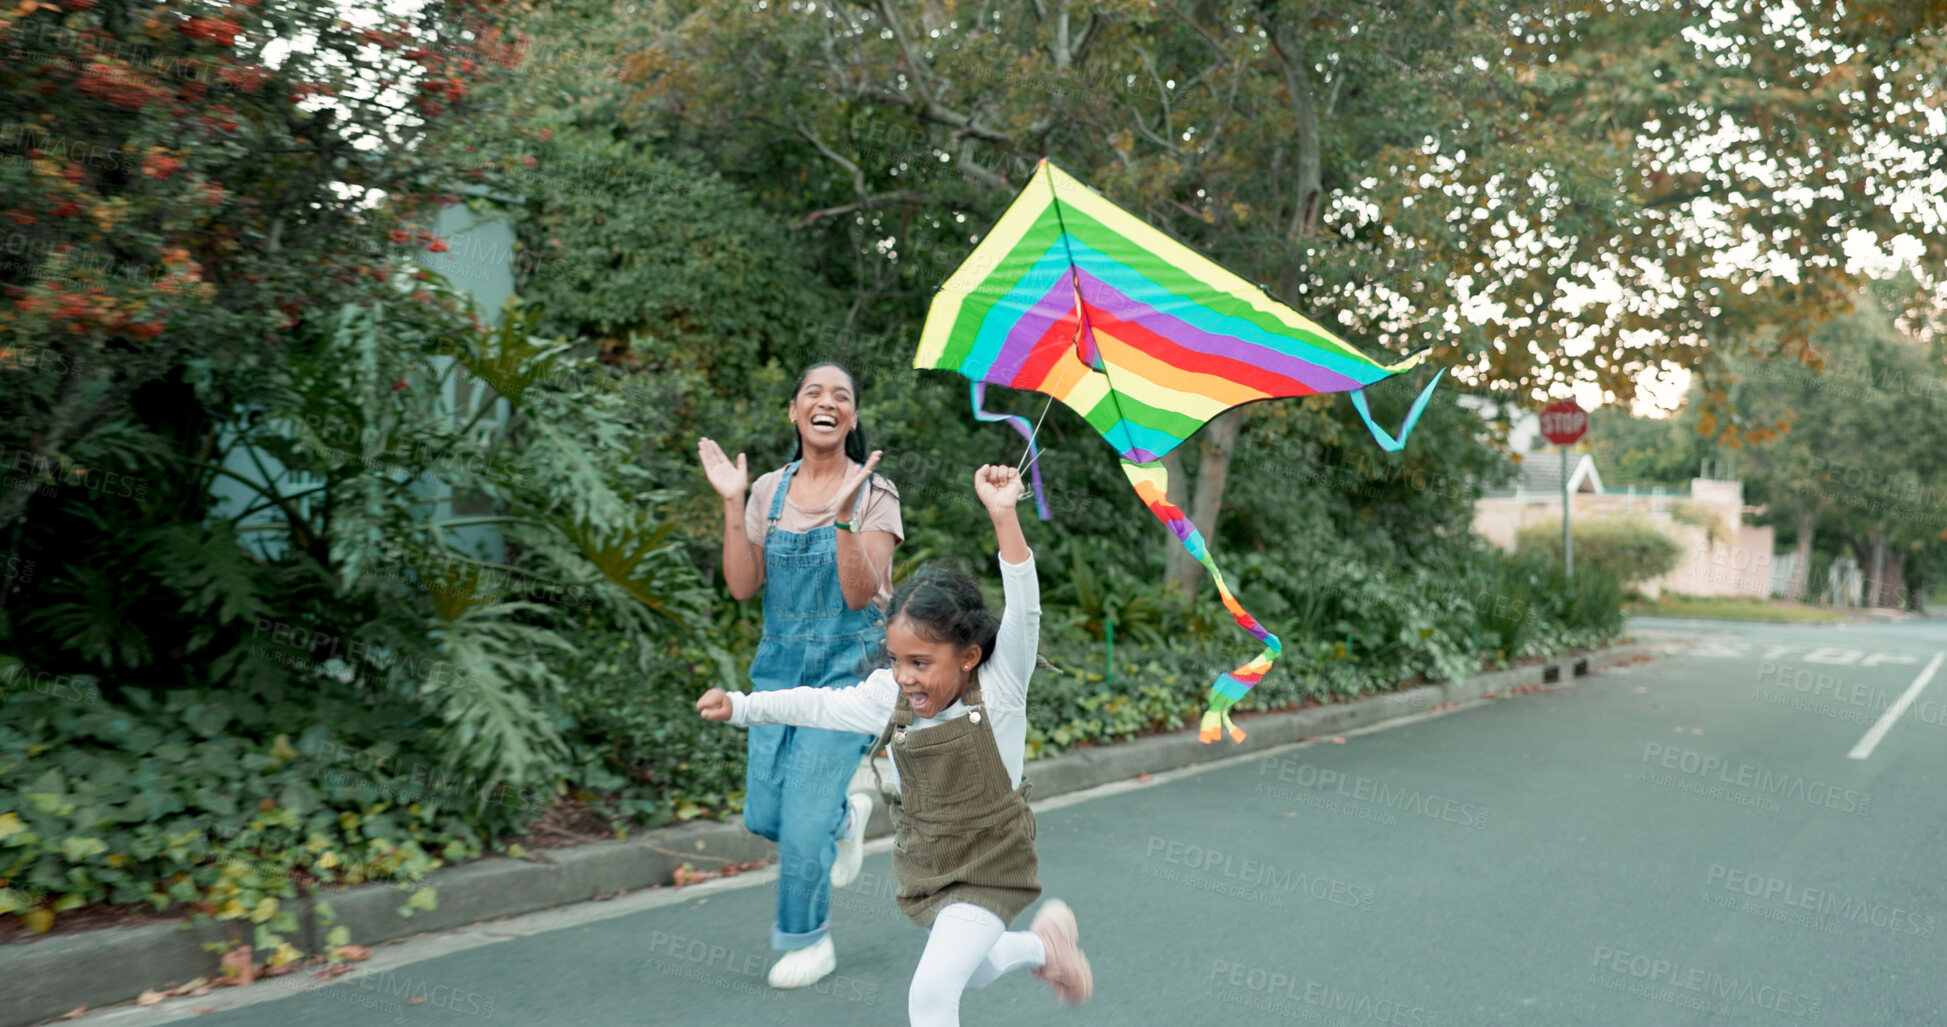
point(960, 833)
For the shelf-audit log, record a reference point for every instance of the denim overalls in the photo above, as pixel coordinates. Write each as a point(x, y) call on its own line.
point(794, 787)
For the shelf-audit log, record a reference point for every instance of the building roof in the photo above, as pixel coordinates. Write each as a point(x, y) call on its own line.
point(1540, 476)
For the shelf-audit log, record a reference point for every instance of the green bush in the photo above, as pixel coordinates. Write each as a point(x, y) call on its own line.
point(1624, 548)
point(162, 801)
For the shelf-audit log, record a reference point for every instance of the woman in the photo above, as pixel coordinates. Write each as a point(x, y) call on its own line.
point(816, 537)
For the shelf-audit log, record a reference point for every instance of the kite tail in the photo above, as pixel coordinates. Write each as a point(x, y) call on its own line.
point(1380, 435)
point(1027, 432)
point(1151, 482)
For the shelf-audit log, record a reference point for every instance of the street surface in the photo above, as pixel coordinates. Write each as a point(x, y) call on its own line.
point(1705, 839)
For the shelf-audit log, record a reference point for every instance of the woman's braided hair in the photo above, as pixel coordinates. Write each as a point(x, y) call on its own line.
point(945, 605)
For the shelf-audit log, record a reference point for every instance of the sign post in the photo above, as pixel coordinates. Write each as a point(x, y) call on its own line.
point(1563, 422)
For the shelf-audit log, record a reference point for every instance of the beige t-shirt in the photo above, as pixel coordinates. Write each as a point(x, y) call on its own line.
point(878, 511)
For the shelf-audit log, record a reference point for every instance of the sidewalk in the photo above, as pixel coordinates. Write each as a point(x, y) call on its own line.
point(47, 977)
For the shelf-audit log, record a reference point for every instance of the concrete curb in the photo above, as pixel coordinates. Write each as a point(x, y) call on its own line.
point(47, 977)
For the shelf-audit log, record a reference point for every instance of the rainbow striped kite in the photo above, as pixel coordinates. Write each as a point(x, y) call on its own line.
point(1072, 296)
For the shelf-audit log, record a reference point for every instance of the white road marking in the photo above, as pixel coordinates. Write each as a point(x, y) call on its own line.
point(1895, 711)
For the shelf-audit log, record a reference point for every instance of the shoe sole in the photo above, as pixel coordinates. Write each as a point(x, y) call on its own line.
point(853, 865)
point(1056, 915)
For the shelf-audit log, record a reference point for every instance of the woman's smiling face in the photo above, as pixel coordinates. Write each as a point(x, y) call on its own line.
point(931, 675)
point(824, 409)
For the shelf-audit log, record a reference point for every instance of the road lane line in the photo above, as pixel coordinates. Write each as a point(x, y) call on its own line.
point(1895, 711)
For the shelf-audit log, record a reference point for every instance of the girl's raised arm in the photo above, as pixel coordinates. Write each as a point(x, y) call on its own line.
point(999, 488)
point(1019, 637)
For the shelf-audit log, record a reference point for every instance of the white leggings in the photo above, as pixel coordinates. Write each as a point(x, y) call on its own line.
point(968, 947)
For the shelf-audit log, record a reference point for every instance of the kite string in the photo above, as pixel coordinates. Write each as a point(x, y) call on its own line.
point(1021, 464)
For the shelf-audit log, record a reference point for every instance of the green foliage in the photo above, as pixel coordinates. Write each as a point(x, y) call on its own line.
point(1621, 547)
point(178, 201)
point(163, 800)
point(1648, 450)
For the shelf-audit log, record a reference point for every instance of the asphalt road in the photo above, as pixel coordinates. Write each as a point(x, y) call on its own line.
point(1696, 840)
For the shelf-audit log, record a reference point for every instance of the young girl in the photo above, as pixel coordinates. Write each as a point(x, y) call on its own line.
point(952, 705)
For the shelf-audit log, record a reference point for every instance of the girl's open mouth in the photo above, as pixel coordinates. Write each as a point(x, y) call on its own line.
point(825, 421)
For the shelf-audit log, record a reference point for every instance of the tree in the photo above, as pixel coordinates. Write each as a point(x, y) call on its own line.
point(182, 190)
point(1858, 444)
point(1475, 178)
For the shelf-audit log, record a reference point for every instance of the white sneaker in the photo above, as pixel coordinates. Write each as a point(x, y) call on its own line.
point(801, 968)
point(851, 848)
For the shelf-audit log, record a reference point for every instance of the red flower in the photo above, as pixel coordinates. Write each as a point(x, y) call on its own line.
point(398, 235)
point(160, 165)
point(437, 246)
point(545, 134)
point(147, 329)
point(248, 77)
point(66, 209)
point(21, 217)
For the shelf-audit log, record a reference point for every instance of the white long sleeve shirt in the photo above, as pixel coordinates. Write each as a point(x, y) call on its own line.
point(868, 705)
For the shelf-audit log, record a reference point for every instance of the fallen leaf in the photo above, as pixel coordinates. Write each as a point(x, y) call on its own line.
point(1142, 777)
point(236, 962)
point(417, 1000)
point(211, 1009)
point(151, 997)
point(354, 952)
point(1336, 740)
point(74, 1014)
point(687, 874)
point(184, 989)
point(336, 970)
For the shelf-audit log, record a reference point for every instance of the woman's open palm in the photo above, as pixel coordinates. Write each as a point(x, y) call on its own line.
point(730, 480)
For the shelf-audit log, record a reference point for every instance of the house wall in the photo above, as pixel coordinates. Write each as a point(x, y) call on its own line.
point(1735, 563)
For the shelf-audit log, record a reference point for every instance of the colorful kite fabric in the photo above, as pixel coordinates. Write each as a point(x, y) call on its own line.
point(1072, 296)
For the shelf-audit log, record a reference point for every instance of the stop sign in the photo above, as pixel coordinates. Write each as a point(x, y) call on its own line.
point(1563, 422)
